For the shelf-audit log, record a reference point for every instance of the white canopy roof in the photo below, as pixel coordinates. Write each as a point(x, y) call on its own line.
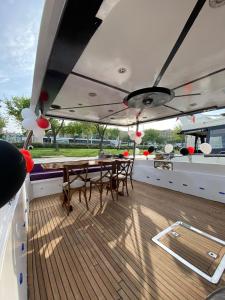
point(91, 56)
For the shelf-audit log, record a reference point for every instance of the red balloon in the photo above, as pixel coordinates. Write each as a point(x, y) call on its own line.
point(28, 158)
point(43, 96)
point(29, 165)
point(138, 134)
point(191, 150)
point(125, 153)
point(25, 153)
point(146, 153)
point(43, 123)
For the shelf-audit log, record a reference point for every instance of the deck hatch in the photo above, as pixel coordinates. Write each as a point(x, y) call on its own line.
point(201, 252)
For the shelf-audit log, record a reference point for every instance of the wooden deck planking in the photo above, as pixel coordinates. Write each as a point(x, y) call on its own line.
point(108, 253)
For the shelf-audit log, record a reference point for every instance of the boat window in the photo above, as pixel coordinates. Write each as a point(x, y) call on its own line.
point(217, 138)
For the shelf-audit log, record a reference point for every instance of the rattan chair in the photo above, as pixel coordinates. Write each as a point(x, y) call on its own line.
point(104, 179)
point(75, 179)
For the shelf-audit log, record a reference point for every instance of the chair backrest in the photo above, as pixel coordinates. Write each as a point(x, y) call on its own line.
point(131, 166)
point(123, 167)
point(107, 168)
point(74, 172)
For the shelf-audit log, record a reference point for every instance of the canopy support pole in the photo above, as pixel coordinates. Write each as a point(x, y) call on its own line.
point(134, 147)
point(27, 141)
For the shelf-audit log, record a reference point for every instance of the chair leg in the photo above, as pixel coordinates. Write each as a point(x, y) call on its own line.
point(85, 197)
point(123, 186)
point(111, 190)
point(126, 187)
point(117, 189)
point(131, 182)
point(90, 191)
point(101, 191)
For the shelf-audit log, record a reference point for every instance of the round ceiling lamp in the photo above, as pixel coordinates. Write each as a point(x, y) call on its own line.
point(149, 97)
point(216, 3)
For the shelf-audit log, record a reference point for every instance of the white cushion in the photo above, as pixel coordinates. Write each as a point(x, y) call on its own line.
point(97, 178)
point(75, 184)
point(120, 176)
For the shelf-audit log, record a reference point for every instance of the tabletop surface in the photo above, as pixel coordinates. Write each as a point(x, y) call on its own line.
point(62, 164)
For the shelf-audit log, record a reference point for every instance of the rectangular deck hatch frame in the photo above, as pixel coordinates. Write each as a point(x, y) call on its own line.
point(221, 266)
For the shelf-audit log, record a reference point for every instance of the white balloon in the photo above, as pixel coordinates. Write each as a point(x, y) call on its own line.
point(29, 123)
point(39, 132)
point(132, 135)
point(138, 140)
point(206, 148)
point(168, 148)
point(28, 113)
point(137, 151)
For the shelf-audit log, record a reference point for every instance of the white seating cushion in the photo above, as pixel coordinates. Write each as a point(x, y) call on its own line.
point(120, 176)
point(97, 178)
point(75, 184)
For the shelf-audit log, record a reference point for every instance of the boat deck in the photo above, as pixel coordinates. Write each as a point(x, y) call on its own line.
point(108, 253)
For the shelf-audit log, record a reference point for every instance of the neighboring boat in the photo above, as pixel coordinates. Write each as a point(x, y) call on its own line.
point(123, 63)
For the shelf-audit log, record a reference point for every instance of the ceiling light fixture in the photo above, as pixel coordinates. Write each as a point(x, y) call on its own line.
point(216, 3)
point(122, 70)
point(149, 97)
point(55, 106)
point(91, 94)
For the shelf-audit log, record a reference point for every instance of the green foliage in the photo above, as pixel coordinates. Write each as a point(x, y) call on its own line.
point(2, 125)
point(36, 153)
point(176, 137)
point(73, 129)
point(88, 129)
point(56, 127)
point(152, 136)
point(124, 137)
point(70, 146)
point(100, 131)
point(112, 133)
point(15, 106)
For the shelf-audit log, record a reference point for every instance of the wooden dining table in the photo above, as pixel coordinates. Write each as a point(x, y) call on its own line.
point(61, 165)
point(91, 163)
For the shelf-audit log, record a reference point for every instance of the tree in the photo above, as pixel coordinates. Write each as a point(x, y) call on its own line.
point(2, 125)
point(56, 127)
point(73, 129)
point(176, 137)
point(88, 129)
point(112, 133)
point(100, 130)
point(14, 107)
point(152, 136)
point(124, 137)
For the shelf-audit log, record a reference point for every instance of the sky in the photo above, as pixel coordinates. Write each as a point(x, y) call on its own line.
point(19, 23)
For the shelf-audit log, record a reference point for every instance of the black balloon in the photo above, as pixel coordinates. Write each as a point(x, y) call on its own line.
point(184, 151)
point(12, 171)
point(151, 149)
